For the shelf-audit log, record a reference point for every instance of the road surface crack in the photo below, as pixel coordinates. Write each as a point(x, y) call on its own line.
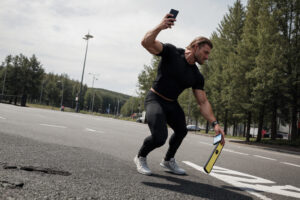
point(7, 184)
point(37, 169)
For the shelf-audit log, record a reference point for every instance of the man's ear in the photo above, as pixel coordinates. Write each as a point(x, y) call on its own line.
point(195, 47)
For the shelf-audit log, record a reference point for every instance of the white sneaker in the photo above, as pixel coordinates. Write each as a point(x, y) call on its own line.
point(141, 165)
point(172, 166)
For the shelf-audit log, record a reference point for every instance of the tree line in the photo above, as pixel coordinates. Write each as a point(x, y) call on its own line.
point(252, 75)
point(24, 80)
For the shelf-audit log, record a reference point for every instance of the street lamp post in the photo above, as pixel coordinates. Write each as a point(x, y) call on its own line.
point(118, 107)
point(189, 109)
point(42, 91)
point(86, 37)
point(62, 93)
point(3, 87)
point(94, 77)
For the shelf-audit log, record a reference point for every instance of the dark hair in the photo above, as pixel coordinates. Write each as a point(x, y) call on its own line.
point(200, 41)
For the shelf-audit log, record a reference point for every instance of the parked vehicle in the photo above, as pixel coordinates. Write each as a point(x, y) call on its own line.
point(280, 135)
point(193, 128)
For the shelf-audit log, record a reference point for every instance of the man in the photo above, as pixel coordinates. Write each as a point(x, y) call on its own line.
point(176, 71)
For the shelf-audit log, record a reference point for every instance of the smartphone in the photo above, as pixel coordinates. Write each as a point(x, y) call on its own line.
point(217, 139)
point(174, 13)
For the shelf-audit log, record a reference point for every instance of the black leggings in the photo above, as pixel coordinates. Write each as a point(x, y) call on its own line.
point(159, 113)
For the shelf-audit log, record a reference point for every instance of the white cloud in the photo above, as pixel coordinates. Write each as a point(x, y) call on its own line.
point(53, 31)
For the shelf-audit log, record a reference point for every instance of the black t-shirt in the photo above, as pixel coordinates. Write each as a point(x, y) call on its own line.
point(175, 74)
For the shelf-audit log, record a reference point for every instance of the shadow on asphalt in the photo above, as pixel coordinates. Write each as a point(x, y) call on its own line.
point(196, 189)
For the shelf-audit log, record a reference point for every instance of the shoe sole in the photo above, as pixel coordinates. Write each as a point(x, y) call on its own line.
point(141, 172)
point(178, 173)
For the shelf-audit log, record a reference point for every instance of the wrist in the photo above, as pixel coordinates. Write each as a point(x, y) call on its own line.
point(158, 28)
point(214, 123)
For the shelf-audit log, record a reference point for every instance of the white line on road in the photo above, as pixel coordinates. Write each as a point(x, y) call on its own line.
point(199, 168)
point(249, 183)
point(286, 163)
point(264, 157)
point(231, 151)
point(55, 126)
point(2, 117)
point(206, 143)
point(91, 130)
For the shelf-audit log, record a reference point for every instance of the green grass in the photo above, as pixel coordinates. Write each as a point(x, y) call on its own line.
point(281, 142)
point(253, 140)
point(42, 106)
point(81, 111)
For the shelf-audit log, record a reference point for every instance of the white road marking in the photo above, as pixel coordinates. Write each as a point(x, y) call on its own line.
point(91, 130)
point(54, 126)
point(251, 184)
point(206, 143)
point(2, 117)
point(264, 157)
point(290, 164)
point(231, 151)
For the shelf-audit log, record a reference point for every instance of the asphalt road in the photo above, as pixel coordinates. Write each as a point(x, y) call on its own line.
point(48, 154)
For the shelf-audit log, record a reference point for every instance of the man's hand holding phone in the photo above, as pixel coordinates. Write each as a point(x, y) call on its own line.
point(169, 19)
point(173, 13)
point(219, 131)
point(217, 139)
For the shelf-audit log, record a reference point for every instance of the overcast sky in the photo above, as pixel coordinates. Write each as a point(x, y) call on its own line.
point(53, 31)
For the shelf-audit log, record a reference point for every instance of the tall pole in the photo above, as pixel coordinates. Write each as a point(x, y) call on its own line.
point(62, 92)
point(4, 83)
point(87, 37)
point(42, 91)
point(62, 95)
point(118, 107)
point(189, 109)
point(94, 77)
point(93, 100)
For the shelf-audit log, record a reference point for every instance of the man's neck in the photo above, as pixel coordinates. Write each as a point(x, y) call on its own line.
point(189, 56)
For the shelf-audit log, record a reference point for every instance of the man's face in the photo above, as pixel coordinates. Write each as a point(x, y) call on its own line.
point(201, 54)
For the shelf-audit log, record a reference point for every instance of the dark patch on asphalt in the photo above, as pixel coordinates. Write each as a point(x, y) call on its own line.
point(37, 169)
point(45, 170)
point(9, 167)
point(7, 184)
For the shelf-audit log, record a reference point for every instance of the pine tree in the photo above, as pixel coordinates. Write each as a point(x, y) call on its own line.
point(246, 54)
point(287, 13)
point(219, 71)
point(266, 93)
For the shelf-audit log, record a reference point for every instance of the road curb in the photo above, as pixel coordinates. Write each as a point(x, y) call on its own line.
point(277, 148)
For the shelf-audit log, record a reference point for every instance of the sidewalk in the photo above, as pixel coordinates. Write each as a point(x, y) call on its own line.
point(270, 147)
point(278, 148)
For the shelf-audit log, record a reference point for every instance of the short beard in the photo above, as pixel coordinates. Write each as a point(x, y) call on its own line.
point(196, 60)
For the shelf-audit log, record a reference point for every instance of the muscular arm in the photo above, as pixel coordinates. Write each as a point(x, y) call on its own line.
point(149, 41)
point(206, 111)
point(204, 105)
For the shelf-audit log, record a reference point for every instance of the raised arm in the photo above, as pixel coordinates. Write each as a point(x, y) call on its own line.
point(149, 41)
point(206, 111)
